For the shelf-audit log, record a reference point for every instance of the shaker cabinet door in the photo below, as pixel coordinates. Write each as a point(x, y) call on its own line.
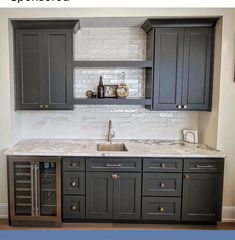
point(127, 196)
point(197, 74)
point(29, 69)
point(58, 69)
point(168, 68)
point(99, 195)
point(202, 197)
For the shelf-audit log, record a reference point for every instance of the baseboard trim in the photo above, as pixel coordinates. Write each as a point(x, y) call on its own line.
point(228, 212)
point(3, 210)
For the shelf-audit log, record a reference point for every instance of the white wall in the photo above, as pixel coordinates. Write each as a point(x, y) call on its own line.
point(219, 123)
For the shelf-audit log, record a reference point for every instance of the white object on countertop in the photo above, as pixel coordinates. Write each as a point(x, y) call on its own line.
point(190, 135)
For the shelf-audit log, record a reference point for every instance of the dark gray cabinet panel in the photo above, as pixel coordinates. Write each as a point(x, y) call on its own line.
point(58, 67)
point(29, 68)
point(99, 195)
point(162, 184)
point(202, 197)
point(197, 68)
point(182, 68)
point(208, 165)
point(127, 196)
point(73, 164)
point(114, 164)
point(168, 68)
point(162, 164)
point(74, 182)
point(161, 209)
point(74, 207)
point(43, 69)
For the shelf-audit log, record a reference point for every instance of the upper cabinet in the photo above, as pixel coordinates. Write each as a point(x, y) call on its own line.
point(43, 65)
point(182, 55)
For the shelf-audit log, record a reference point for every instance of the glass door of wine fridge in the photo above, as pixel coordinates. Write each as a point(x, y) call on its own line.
point(35, 190)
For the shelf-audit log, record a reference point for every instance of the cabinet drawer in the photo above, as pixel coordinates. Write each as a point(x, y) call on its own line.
point(114, 164)
point(74, 183)
point(208, 165)
point(73, 164)
point(74, 207)
point(162, 184)
point(162, 165)
point(159, 208)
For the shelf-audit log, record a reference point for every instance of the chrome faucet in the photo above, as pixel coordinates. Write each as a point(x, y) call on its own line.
point(111, 133)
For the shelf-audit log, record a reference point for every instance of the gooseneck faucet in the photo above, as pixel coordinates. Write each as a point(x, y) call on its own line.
point(111, 133)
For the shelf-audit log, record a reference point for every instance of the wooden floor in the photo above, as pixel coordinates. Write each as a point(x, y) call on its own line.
point(124, 226)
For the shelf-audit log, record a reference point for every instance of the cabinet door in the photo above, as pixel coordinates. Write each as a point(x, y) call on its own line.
point(127, 196)
point(29, 69)
point(197, 74)
point(49, 188)
point(202, 197)
point(168, 68)
point(20, 190)
point(58, 92)
point(99, 195)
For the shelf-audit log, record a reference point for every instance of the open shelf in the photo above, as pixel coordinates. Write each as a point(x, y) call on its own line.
point(109, 64)
point(112, 101)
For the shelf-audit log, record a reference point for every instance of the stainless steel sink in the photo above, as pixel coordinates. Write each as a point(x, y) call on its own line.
point(117, 147)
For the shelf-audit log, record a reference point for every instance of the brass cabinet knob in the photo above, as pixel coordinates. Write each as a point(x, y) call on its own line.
point(179, 106)
point(187, 177)
point(46, 106)
point(115, 176)
point(41, 106)
point(185, 107)
point(73, 184)
point(162, 184)
point(163, 165)
point(161, 209)
point(73, 207)
point(73, 164)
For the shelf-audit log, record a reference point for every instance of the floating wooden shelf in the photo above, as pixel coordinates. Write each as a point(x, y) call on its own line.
point(100, 64)
point(112, 101)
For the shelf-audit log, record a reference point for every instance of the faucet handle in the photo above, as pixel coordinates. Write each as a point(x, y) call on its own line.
point(113, 134)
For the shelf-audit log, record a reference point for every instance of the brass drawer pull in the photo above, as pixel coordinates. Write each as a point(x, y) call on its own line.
point(187, 177)
point(204, 166)
point(115, 176)
point(113, 165)
point(46, 106)
point(163, 165)
point(161, 209)
point(73, 184)
point(73, 208)
point(162, 184)
point(73, 164)
point(41, 106)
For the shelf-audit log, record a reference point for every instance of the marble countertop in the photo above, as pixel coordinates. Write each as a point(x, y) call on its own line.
point(136, 148)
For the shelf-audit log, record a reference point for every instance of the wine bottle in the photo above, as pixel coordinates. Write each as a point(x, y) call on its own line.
point(100, 89)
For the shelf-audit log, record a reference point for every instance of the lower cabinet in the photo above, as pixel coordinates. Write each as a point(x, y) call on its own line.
point(113, 195)
point(202, 197)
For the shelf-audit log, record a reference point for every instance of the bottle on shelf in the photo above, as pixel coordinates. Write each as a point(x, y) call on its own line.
point(100, 89)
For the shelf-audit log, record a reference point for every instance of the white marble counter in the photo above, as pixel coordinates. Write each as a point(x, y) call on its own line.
point(136, 148)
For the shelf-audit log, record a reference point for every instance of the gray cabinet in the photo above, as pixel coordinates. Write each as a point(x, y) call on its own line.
point(202, 197)
point(113, 195)
point(127, 196)
point(43, 66)
point(99, 195)
point(181, 78)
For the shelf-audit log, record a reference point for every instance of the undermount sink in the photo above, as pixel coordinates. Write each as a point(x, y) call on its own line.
point(117, 147)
